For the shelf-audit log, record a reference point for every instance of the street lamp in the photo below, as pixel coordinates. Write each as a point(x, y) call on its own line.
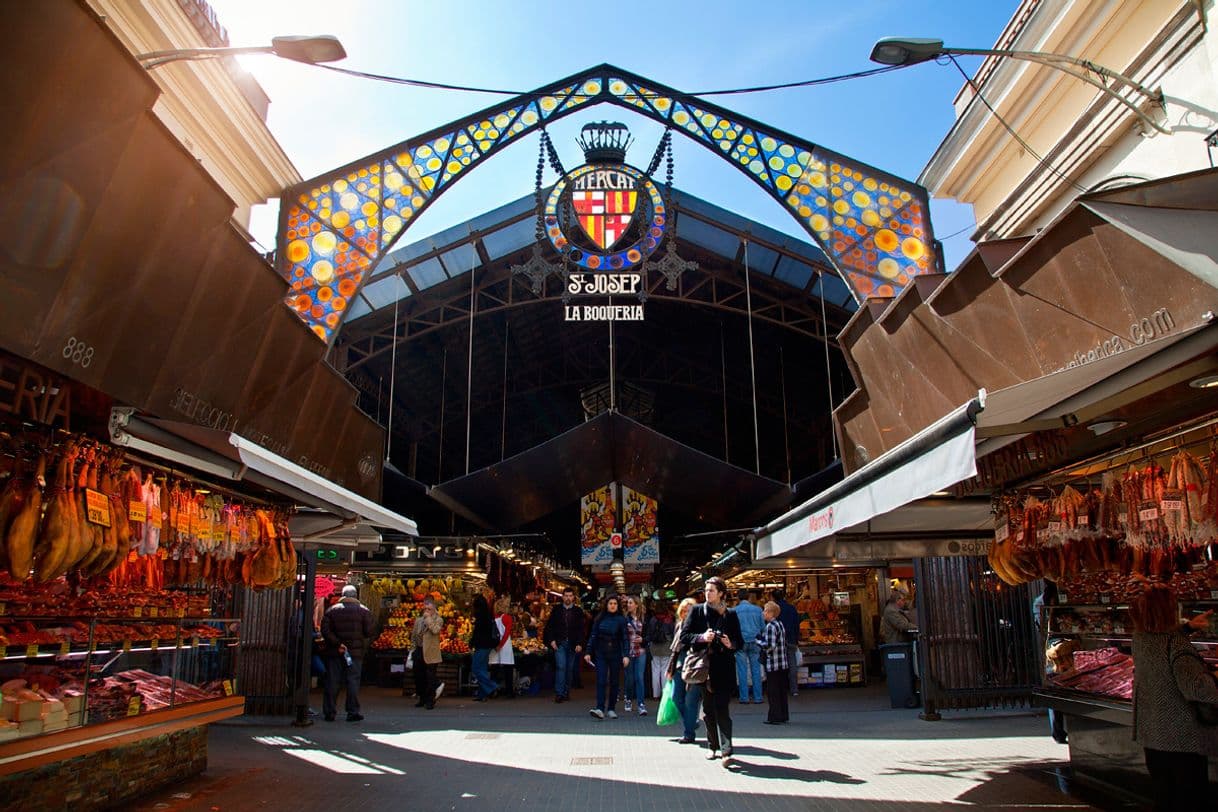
point(906, 51)
point(310, 50)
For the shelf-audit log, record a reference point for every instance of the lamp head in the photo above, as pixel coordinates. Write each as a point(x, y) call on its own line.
point(905, 50)
point(323, 48)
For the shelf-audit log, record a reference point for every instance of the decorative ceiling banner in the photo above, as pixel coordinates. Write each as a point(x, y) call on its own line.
point(874, 227)
point(598, 518)
point(641, 539)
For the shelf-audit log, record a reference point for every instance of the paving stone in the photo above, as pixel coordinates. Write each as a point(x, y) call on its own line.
point(843, 749)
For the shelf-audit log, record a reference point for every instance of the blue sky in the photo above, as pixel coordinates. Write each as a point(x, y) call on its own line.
point(893, 121)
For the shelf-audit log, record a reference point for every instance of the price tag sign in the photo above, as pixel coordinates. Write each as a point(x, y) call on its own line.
point(228, 687)
point(97, 506)
point(1002, 532)
point(133, 706)
point(1214, 594)
point(181, 612)
point(126, 646)
point(194, 642)
point(1105, 599)
point(64, 647)
point(3, 608)
point(1148, 514)
point(31, 650)
point(1055, 527)
point(153, 611)
point(1172, 504)
point(1062, 597)
point(137, 611)
point(137, 511)
point(154, 644)
point(1084, 521)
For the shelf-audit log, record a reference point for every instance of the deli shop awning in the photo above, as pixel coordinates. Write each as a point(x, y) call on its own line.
point(935, 458)
point(1097, 387)
point(611, 448)
point(234, 458)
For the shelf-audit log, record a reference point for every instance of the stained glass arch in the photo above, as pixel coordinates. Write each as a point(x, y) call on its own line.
point(874, 227)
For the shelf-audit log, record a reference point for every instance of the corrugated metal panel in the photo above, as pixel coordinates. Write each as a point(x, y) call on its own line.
point(980, 647)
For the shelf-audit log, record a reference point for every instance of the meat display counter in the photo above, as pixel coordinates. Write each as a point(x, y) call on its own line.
point(1088, 648)
point(69, 683)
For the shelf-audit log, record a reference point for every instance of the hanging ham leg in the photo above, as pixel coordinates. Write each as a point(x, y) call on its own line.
point(23, 529)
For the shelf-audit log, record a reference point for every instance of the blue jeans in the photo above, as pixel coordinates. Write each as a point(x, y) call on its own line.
point(688, 697)
point(634, 679)
point(608, 670)
point(566, 661)
point(482, 672)
point(748, 661)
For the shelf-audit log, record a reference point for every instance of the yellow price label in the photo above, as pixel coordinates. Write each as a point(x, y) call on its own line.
point(64, 647)
point(228, 687)
point(137, 611)
point(194, 642)
point(153, 611)
point(181, 612)
point(3, 608)
point(133, 706)
point(97, 507)
point(126, 646)
point(31, 650)
point(154, 644)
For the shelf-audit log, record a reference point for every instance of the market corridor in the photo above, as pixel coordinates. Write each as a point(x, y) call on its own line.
point(839, 752)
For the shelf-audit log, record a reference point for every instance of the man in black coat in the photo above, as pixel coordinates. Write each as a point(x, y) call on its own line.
point(347, 628)
point(564, 634)
point(713, 628)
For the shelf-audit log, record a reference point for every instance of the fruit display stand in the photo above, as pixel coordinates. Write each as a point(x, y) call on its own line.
point(830, 651)
point(403, 600)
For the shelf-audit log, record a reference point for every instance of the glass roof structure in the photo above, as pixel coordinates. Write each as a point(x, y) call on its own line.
point(511, 228)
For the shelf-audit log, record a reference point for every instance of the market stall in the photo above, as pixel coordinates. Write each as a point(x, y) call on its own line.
point(1096, 532)
point(837, 618)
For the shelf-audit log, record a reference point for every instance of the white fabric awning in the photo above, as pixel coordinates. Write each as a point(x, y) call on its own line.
point(935, 458)
point(232, 457)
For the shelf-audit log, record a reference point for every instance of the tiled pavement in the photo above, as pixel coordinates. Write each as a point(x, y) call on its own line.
point(843, 750)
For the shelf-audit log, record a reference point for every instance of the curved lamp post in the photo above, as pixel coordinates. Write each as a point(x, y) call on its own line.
point(310, 50)
point(911, 51)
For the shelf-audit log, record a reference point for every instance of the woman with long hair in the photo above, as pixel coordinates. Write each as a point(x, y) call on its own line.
point(1170, 680)
point(636, 642)
point(714, 629)
point(687, 696)
point(607, 651)
point(483, 640)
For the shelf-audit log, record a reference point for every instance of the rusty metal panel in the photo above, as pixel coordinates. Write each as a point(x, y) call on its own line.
point(980, 647)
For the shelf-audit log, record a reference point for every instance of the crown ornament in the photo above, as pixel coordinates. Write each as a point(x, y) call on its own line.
point(605, 142)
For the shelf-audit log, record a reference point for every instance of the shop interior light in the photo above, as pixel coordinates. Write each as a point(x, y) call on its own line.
point(1204, 382)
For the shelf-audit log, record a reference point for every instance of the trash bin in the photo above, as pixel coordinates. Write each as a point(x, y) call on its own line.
point(899, 668)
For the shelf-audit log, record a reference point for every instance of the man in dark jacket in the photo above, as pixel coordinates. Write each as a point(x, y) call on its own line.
point(347, 628)
point(564, 634)
point(789, 618)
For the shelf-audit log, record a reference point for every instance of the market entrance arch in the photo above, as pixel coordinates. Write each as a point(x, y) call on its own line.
point(874, 227)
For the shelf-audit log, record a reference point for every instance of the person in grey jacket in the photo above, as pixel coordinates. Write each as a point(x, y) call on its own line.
point(1169, 674)
point(347, 628)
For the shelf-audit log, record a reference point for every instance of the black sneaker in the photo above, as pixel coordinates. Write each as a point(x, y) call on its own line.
point(355, 717)
point(329, 717)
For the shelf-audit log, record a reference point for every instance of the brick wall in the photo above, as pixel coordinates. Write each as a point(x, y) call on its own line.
point(105, 779)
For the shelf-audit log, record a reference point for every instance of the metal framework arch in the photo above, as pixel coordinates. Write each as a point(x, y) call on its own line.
point(874, 227)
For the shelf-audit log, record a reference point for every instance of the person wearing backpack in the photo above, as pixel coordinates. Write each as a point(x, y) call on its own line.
point(659, 631)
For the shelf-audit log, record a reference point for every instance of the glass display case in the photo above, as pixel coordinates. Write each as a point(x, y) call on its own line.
point(62, 672)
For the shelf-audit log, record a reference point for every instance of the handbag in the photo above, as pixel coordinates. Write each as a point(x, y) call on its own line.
point(697, 666)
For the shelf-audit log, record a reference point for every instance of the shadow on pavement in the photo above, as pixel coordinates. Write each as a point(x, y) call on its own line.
point(753, 770)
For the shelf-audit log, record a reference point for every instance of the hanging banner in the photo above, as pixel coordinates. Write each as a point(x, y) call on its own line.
point(642, 536)
point(598, 518)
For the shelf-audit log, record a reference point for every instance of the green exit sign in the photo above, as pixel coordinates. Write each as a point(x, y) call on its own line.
point(327, 555)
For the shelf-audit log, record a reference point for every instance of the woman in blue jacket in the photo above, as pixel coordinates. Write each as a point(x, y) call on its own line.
point(607, 651)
